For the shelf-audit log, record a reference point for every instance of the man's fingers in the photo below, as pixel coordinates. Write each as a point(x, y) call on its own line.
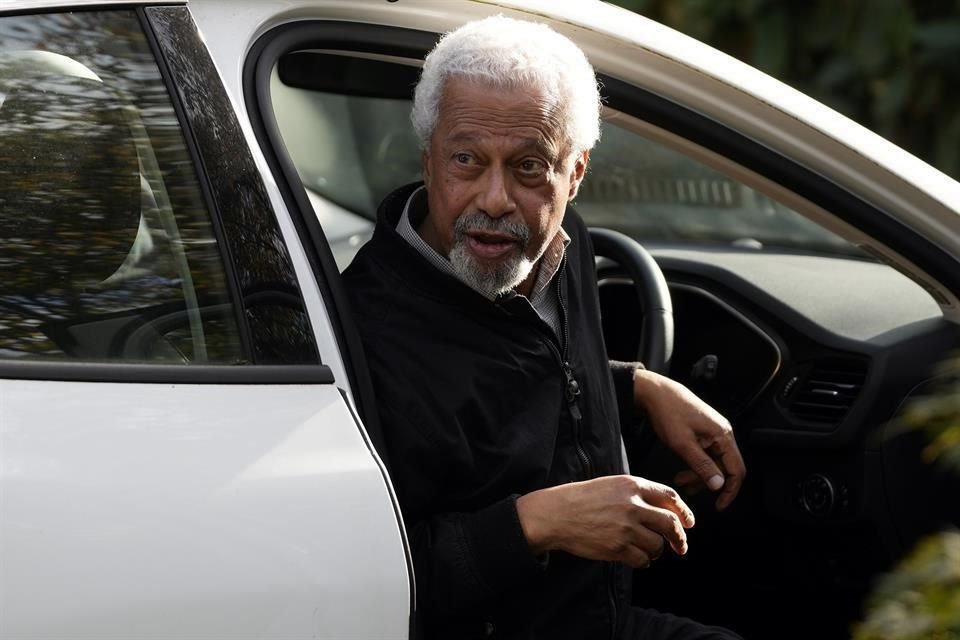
point(658, 550)
point(641, 555)
point(703, 465)
point(686, 478)
point(689, 482)
point(666, 497)
point(667, 524)
point(635, 557)
point(733, 463)
point(731, 488)
point(647, 540)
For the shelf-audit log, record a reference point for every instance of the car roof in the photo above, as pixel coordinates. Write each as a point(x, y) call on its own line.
point(34, 5)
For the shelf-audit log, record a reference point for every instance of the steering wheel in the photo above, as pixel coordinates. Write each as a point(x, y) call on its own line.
point(656, 320)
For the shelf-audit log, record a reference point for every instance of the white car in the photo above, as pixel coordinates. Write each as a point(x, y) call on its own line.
point(188, 438)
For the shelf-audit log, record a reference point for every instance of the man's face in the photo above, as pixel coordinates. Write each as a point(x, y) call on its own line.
point(498, 174)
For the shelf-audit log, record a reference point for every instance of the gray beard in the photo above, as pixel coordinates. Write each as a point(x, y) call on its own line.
point(491, 280)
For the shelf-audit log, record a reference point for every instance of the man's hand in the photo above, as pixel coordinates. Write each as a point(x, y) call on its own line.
point(615, 518)
point(694, 431)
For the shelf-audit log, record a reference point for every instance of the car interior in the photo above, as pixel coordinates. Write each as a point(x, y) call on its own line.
point(784, 319)
point(94, 248)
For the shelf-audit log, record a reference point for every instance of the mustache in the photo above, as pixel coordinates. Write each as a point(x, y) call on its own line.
point(479, 221)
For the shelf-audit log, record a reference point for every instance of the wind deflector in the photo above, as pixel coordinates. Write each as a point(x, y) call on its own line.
point(346, 74)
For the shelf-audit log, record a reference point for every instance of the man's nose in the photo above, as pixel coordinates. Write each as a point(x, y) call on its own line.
point(494, 197)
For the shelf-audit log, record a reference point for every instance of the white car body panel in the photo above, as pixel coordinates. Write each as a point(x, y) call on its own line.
point(193, 511)
point(647, 54)
point(198, 511)
point(313, 300)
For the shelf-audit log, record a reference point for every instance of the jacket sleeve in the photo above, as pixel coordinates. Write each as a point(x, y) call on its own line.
point(465, 561)
point(623, 387)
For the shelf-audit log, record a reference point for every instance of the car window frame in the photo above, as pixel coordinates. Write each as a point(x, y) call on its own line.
point(257, 70)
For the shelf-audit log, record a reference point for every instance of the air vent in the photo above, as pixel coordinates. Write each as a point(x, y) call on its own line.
point(826, 391)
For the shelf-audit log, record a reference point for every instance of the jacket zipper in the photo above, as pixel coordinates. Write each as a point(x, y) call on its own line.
point(572, 386)
point(573, 392)
point(573, 398)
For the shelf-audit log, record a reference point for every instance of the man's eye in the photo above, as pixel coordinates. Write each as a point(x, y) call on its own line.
point(531, 166)
point(463, 158)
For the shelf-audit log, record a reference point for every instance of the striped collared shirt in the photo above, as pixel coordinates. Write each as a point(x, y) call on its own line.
point(543, 297)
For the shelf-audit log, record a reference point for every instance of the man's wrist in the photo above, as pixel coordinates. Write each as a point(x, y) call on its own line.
point(645, 386)
point(533, 510)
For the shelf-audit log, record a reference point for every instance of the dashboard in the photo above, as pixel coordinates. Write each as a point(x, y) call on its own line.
point(803, 348)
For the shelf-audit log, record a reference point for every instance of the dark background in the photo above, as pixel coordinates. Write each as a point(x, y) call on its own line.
point(891, 65)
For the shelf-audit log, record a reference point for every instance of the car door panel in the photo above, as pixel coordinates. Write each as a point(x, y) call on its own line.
point(179, 510)
point(178, 458)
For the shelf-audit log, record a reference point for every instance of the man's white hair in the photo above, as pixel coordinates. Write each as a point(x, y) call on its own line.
point(508, 53)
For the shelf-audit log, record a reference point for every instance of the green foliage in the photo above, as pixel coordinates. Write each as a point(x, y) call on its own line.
point(921, 599)
point(891, 65)
point(938, 416)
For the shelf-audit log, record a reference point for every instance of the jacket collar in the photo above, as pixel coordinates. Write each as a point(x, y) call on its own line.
point(410, 264)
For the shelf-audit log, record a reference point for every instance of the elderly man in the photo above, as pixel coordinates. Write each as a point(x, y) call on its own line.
point(477, 303)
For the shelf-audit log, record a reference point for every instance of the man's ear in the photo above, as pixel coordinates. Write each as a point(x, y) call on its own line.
point(577, 172)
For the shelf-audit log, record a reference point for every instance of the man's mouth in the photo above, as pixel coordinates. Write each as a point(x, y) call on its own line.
point(485, 244)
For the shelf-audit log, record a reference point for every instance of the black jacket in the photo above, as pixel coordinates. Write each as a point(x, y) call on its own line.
point(477, 407)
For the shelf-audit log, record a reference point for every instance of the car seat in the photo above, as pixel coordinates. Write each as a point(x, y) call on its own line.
point(70, 191)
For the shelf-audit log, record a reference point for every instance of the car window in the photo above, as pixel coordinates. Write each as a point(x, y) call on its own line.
point(660, 196)
point(107, 249)
point(354, 144)
point(350, 151)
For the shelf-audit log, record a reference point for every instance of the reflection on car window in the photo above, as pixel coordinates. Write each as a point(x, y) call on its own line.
point(657, 195)
point(351, 149)
point(107, 252)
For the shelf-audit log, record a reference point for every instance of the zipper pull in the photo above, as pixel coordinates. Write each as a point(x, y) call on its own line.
point(573, 405)
point(573, 392)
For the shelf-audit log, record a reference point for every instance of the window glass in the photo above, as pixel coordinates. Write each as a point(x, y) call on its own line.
point(352, 150)
point(657, 195)
point(107, 251)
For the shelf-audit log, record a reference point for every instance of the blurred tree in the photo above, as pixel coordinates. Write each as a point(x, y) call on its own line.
point(892, 65)
point(920, 600)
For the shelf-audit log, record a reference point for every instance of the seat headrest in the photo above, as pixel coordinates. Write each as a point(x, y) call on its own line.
point(69, 180)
